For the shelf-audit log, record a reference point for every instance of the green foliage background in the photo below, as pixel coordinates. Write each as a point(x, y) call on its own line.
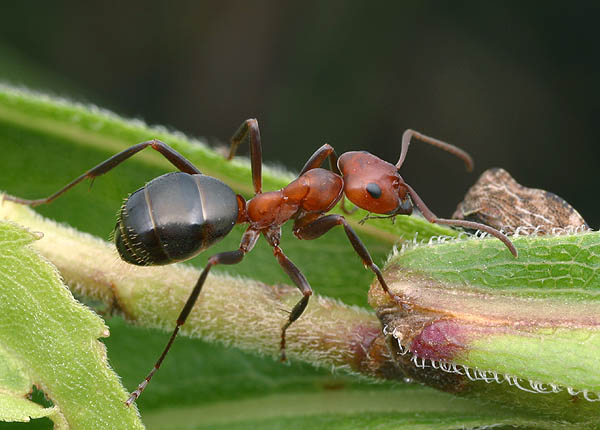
point(46, 143)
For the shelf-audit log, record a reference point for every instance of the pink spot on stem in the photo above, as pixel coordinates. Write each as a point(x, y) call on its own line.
point(441, 340)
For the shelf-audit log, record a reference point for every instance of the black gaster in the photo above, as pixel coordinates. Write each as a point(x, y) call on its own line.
point(173, 218)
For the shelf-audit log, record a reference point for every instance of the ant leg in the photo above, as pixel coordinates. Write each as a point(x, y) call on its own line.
point(250, 127)
point(344, 208)
point(231, 257)
point(300, 280)
point(430, 216)
point(169, 153)
point(322, 225)
point(454, 150)
point(320, 155)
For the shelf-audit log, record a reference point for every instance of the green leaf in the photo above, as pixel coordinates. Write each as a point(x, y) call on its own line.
point(530, 326)
point(48, 339)
point(406, 407)
point(47, 142)
point(15, 386)
point(240, 312)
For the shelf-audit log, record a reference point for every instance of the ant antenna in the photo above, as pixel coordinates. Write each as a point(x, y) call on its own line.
point(409, 134)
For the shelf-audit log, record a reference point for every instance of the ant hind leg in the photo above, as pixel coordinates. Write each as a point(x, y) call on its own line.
point(169, 153)
point(230, 257)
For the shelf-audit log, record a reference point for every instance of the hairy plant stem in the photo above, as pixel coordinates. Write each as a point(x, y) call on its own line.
point(235, 311)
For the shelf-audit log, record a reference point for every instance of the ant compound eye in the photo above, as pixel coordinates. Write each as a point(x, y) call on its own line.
point(374, 190)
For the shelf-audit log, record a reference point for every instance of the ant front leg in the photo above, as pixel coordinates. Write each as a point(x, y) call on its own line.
point(326, 152)
point(169, 153)
point(430, 216)
point(231, 257)
point(320, 226)
point(250, 128)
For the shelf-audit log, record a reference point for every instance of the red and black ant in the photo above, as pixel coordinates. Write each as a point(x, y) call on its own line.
point(178, 215)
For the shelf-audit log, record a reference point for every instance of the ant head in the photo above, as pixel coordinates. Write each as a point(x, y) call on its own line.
point(373, 184)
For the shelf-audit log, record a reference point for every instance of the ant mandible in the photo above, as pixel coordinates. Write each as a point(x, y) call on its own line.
point(150, 232)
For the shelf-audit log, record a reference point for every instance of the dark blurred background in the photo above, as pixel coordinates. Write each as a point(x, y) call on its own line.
point(516, 84)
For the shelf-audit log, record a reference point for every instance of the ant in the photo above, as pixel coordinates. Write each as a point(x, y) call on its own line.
point(176, 216)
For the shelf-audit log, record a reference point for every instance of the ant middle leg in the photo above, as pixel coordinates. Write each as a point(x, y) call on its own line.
point(230, 257)
point(273, 236)
point(250, 128)
point(302, 283)
point(169, 153)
